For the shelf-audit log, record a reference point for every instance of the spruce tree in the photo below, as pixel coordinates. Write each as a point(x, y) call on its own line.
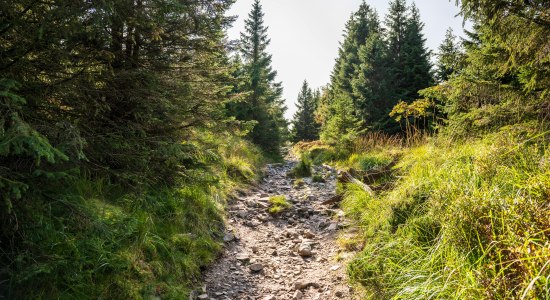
point(370, 84)
point(304, 125)
point(360, 26)
point(264, 104)
point(408, 59)
point(396, 24)
point(449, 58)
point(417, 70)
point(342, 126)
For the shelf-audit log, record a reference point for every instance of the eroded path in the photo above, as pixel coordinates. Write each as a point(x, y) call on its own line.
point(292, 256)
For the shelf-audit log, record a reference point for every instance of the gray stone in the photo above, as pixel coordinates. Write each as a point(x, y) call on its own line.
point(228, 237)
point(332, 227)
point(256, 267)
point(305, 250)
point(243, 257)
point(298, 295)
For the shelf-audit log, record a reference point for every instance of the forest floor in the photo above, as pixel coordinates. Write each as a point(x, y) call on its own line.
point(293, 255)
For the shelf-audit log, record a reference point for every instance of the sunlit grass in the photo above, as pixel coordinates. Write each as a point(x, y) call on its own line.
point(278, 204)
point(464, 221)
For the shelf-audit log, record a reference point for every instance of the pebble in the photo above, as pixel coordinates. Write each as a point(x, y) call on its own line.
point(298, 295)
point(280, 248)
point(243, 257)
point(229, 237)
point(256, 267)
point(305, 250)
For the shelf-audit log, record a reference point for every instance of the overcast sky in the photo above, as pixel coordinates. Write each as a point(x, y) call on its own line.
point(305, 34)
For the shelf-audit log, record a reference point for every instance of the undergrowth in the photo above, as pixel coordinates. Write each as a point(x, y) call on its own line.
point(303, 168)
point(462, 220)
point(91, 239)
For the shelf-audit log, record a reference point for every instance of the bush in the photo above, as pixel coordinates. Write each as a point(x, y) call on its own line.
point(318, 178)
point(302, 169)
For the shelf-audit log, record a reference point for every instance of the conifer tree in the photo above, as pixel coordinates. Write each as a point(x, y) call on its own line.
point(417, 70)
point(304, 125)
point(360, 26)
point(449, 58)
point(264, 104)
point(370, 84)
point(396, 24)
point(408, 59)
point(342, 126)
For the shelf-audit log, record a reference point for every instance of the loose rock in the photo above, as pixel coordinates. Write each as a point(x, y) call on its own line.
point(256, 268)
point(305, 250)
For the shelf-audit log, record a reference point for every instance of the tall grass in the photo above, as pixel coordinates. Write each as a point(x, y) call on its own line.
point(464, 221)
point(90, 239)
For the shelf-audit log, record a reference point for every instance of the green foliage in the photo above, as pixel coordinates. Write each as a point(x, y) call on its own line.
point(366, 161)
point(318, 178)
point(304, 127)
point(464, 221)
point(318, 152)
point(303, 168)
point(505, 77)
point(110, 187)
point(342, 126)
point(92, 239)
point(278, 204)
point(450, 59)
point(375, 69)
point(262, 103)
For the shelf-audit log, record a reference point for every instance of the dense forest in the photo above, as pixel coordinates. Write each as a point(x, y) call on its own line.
point(127, 125)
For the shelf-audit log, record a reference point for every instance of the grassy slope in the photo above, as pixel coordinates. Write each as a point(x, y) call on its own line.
point(97, 241)
point(461, 220)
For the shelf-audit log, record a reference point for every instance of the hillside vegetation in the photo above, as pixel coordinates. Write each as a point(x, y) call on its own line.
point(461, 208)
point(122, 136)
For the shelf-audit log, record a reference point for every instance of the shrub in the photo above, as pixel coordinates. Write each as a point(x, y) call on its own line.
point(303, 168)
point(318, 178)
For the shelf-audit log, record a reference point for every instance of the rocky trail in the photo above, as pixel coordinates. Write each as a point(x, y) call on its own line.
point(293, 255)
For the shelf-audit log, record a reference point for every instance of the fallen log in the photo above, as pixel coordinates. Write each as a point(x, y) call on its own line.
point(371, 176)
point(346, 177)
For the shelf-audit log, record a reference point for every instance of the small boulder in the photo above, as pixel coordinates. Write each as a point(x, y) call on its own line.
point(305, 250)
point(308, 234)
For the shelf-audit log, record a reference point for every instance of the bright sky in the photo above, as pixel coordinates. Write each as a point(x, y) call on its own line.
point(305, 34)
